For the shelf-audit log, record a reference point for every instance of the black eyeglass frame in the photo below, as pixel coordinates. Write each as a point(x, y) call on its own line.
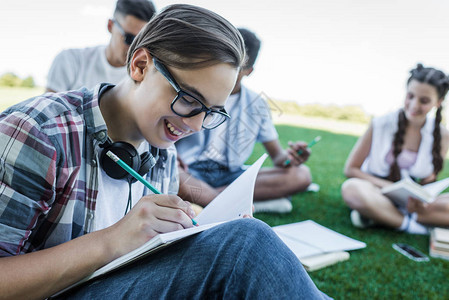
point(180, 93)
point(128, 37)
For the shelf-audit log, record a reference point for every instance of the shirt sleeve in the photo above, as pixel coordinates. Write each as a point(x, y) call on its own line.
point(27, 180)
point(267, 130)
point(63, 71)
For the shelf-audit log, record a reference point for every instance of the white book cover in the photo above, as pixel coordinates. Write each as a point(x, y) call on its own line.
point(308, 238)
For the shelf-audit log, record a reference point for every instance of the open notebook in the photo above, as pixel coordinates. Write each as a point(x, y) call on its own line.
point(316, 246)
point(400, 191)
point(225, 207)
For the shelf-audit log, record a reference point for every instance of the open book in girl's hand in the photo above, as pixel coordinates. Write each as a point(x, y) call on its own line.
point(400, 191)
point(225, 207)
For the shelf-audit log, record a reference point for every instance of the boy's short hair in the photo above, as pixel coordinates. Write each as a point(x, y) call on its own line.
point(190, 37)
point(252, 46)
point(141, 9)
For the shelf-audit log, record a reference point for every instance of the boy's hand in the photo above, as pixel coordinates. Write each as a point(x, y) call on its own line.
point(153, 214)
point(298, 153)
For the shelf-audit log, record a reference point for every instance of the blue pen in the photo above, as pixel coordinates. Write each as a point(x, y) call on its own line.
point(136, 175)
point(313, 142)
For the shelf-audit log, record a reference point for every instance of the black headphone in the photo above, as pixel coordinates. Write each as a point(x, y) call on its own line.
point(140, 163)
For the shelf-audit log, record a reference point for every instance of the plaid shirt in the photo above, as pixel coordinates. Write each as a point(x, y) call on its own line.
point(49, 170)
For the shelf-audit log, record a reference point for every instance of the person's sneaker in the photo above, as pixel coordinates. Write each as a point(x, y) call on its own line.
point(280, 206)
point(313, 187)
point(360, 221)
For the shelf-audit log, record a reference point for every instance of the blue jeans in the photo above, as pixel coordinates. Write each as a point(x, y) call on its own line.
point(242, 259)
point(213, 173)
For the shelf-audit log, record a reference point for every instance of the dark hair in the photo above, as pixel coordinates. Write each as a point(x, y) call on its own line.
point(186, 36)
point(141, 9)
point(252, 46)
point(440, 81)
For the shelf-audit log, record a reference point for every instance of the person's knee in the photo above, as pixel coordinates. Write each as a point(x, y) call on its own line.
point(299, 179)
point(247, 225)
point(256, 237)
point(351, 193)
point(441, 204)
point(248, 231)
point(446, 207)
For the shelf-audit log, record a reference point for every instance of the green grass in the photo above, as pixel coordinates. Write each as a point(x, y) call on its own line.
point(10, 96)
point(376, 272)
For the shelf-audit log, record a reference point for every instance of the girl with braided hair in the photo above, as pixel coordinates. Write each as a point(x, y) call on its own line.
point(409, 142)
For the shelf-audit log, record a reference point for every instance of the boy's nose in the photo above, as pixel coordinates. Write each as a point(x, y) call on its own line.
point(195, 123)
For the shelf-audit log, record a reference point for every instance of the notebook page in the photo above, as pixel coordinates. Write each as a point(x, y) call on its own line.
point(236, 200)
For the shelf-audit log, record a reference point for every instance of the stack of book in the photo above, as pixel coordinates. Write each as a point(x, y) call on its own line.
point(439, 243)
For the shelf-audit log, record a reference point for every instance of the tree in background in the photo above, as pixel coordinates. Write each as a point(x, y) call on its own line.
point(12, 80)
point(28, 82)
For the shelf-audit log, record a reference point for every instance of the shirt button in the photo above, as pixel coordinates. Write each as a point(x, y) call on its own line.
point(101, 135)
point(90, 215)
point(94, 163)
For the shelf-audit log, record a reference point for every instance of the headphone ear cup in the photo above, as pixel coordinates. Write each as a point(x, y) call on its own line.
point(147, 161)
point(127, 153)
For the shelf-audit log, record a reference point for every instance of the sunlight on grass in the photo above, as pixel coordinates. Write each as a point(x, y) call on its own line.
point(11, 96)
point(332, 125)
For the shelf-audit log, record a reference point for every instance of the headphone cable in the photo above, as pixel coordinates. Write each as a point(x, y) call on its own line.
point(129, 204)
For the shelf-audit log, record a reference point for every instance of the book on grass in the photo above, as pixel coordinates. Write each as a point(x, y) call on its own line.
point(317, 262)
point(439, 243)
point(316, 246)
point(225, 207)
point(441, 235)
point(434, 252)
point(400, 191)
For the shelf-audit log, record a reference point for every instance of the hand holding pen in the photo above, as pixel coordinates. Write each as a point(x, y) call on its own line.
point(136, 175)
point(299, 152)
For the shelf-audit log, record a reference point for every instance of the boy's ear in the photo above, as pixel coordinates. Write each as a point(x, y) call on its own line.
point(110, 24)
point(247, 71)
point(139, 63)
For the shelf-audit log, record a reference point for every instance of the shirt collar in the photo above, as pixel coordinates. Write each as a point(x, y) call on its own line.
point(95, 124)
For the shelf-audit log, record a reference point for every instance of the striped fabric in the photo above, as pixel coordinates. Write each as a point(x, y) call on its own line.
point(49, 172)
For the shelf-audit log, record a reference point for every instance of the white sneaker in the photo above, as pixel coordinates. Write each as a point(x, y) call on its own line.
point(313, 187)
point(280, 206)
point(360, 221)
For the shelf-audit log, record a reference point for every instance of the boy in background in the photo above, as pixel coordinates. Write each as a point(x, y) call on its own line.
point(75, 68)
point(211, 159)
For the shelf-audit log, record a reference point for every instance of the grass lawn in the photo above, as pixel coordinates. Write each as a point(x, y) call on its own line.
point(10, 96)
point(378, 271)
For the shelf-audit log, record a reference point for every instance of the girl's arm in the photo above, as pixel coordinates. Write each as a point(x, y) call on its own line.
point(444, 149)
point(444, 141)
point(356, 158)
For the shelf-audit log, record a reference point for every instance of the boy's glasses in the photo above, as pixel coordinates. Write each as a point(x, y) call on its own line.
point(129, 38)
point(186, 105)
